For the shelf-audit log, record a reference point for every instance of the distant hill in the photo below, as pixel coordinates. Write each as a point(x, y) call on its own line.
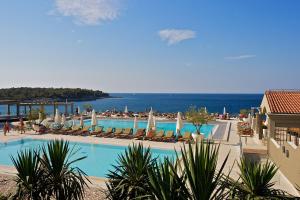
point(57, 94)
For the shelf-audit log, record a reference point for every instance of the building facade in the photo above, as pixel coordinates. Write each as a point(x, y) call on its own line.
point(282, 110)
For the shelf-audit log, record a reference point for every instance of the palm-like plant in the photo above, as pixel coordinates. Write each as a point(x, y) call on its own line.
point(204, 180)
point(167, 183)
point(129, 179)
point(49, 173)
point(29, 175)
point(63, 180)
point(256, 181)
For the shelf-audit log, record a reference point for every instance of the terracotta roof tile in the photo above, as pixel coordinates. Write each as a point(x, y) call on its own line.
point(284, 102)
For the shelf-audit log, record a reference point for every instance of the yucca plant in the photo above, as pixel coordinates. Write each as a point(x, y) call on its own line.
point(166, 182)
point(64, 181)
point(204, 180)
point(129, 179)
point(30, 176)
point(49, 173)
point(256, 181)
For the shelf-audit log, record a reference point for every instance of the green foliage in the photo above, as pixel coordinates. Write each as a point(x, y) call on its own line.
point(129, 179)
point(60, 94)
point(245, 111)
point(200, 166)
point(33, 115)
point(3, 197)
point(198, 117)
point(49, 173)
point(29, 176)
point(166, 183)
point(256, 181)
point(87, 107)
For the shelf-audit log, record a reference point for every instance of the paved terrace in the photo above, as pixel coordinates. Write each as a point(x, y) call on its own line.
point(226, 135)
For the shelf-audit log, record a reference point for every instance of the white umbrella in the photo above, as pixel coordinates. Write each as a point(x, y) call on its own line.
point(94, 118)
point(73, 123)
point(179, 123)
point(40, 117)
point(81, 121)
point(135, 123)
point(126, 110)
point(205, 110)
point(150, 123)
point(224, 111)
point(57, 118)
point(78, 110)
point(249, 118)
point(154, 123)
point(63, 119)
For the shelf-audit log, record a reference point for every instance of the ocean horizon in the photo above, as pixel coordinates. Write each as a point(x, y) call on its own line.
point(169, 102)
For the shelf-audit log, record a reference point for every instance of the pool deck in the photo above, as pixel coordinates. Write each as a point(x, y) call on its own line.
point(225, 134)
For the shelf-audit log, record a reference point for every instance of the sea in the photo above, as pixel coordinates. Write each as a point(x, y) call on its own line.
point(162, 102)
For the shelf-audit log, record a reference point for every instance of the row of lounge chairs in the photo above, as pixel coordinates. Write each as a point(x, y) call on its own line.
point(126, 133)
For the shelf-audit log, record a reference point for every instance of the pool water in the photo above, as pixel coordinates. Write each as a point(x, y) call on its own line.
point(99, 159)
point(205, 129)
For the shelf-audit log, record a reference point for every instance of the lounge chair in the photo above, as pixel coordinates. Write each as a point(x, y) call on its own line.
point(187, 137)
point(169, 137)
point(126, 133)
point(108, 133)
point(73, 130)
point(139, 134)
point(39, 128)
point(158, 136)
point(97, 130)
point(64, 129)
point(85, 131)
point(118, 132)
point(150, 135)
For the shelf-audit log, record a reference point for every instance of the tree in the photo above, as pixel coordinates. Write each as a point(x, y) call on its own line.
point(87, 107)
point(49, 173)
point(198, 117)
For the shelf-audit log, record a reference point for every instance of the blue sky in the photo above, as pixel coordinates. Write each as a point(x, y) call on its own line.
point(151, 46)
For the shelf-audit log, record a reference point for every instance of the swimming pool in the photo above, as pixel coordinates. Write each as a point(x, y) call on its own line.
point(205, 129)
point(99, 159)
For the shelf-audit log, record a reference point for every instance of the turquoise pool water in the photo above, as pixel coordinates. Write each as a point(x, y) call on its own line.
point(205, 129)
point(99, 159)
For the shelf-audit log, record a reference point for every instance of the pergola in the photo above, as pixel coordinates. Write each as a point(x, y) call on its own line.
point(31, 104)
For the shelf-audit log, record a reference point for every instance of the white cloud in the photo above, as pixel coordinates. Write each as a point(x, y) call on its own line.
point(173, 36)
point(240, 57)
point(88, 12)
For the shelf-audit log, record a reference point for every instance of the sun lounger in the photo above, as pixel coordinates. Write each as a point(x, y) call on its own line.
point(187, 137)
point(64, 129)
point(169, 137)
point(97, 130)
point(139, 134)
point(107, 133)
point(150, 135)
point(85, 131)
point(73, 130)
point(158, 136)
point(39, 129)
point(118, 132)
point(126, 133)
